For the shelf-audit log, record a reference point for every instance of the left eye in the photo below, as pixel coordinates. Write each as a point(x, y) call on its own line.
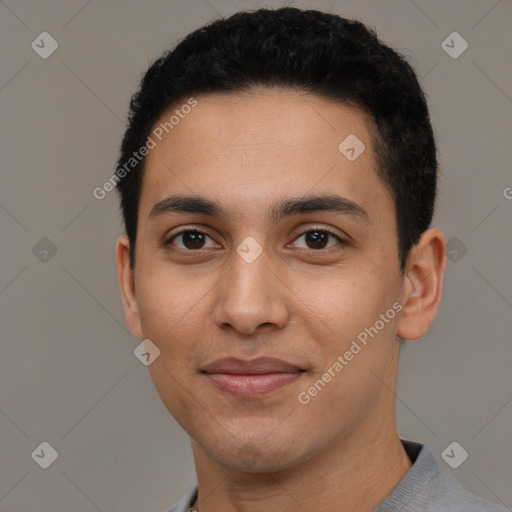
point(319, 238)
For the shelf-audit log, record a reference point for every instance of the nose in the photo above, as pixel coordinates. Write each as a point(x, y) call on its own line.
point(251, 297)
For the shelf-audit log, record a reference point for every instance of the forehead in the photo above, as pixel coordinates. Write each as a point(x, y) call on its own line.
point(247, 149)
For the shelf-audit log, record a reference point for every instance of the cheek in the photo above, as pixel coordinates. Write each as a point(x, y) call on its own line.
point(169, 303)
point(341, 302)
point(339, 311)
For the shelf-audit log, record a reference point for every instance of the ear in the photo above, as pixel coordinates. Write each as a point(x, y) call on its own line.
point(127, 285)
point(423, 284)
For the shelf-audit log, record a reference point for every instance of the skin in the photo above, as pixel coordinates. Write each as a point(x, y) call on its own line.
point(296, 302)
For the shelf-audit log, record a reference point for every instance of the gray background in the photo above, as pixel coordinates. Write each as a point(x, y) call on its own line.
point(68, 375)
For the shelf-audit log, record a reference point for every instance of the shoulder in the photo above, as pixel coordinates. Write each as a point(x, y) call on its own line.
point(427, 487)
point(434, 489)
point(447, 494)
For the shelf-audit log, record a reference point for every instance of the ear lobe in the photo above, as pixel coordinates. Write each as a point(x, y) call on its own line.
point(127, 286)
point(423, 284)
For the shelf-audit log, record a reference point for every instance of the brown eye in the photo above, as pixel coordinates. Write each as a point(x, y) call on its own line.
point(190, 239)
point(318, 239)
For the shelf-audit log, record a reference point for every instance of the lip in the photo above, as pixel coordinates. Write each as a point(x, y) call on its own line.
point(256, 377)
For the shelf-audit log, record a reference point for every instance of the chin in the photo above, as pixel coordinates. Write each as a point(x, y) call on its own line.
point(252, 456)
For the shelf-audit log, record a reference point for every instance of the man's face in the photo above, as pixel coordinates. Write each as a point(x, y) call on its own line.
point(304, 299)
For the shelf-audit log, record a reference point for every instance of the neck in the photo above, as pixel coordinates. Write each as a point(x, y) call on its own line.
point(355, 475)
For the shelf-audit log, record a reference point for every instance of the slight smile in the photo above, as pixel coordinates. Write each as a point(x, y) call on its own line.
point(247, 379)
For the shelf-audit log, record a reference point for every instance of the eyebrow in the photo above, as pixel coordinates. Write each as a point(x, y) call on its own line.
point(277, 211)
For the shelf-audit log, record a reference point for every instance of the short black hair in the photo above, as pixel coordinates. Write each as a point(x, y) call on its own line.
point(312, 52)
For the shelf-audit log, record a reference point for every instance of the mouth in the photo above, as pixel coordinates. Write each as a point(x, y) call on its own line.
point(246, 379)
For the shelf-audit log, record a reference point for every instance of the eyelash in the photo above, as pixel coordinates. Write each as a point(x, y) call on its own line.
point(318, 229)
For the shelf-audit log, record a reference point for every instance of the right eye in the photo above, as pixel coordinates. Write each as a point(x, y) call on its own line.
point(190, 240)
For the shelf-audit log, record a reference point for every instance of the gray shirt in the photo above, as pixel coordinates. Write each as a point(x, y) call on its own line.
point(425, 488)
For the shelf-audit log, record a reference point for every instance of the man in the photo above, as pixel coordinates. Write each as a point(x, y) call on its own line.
point(277, 183)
